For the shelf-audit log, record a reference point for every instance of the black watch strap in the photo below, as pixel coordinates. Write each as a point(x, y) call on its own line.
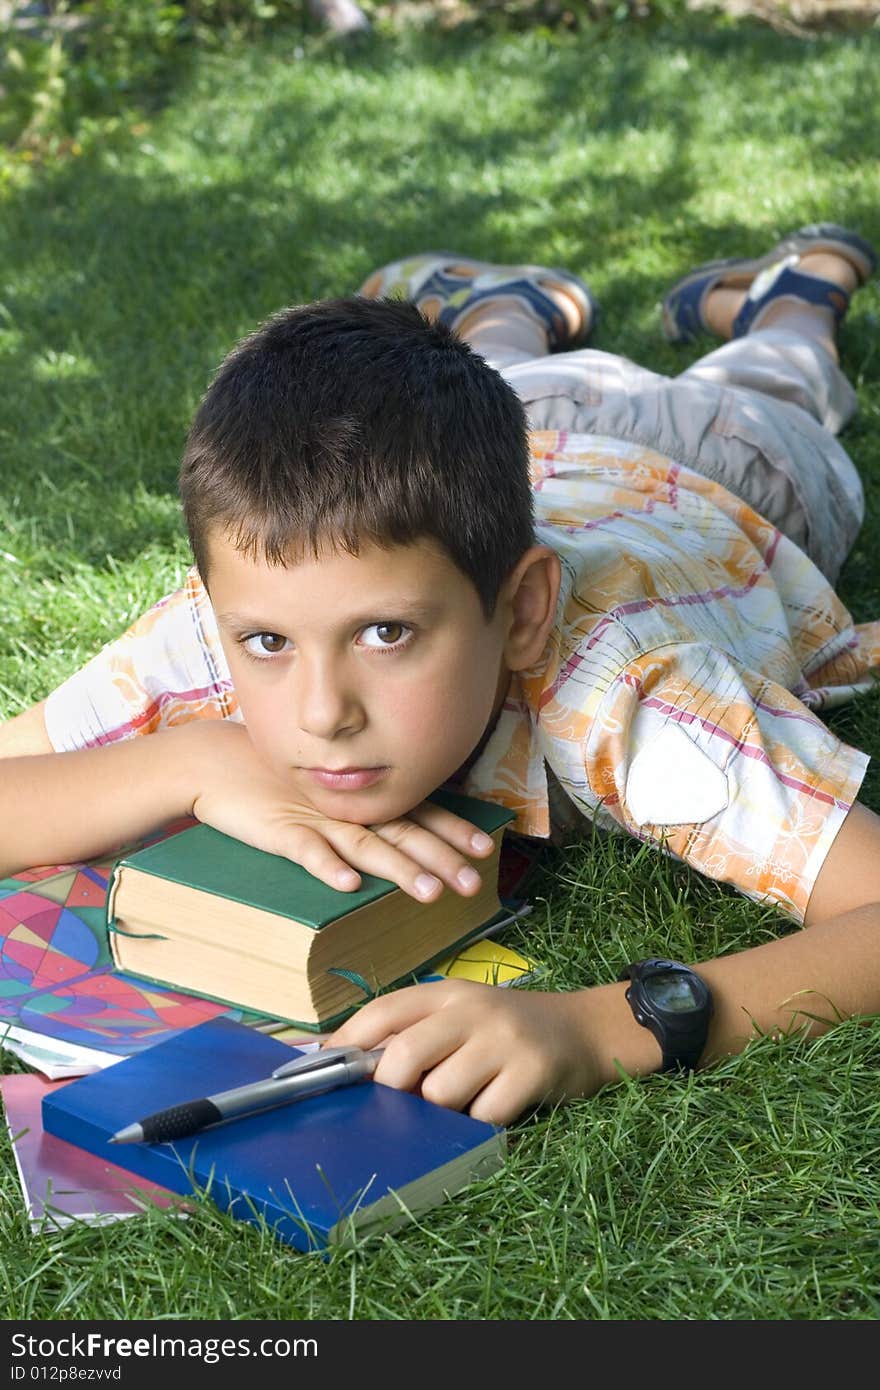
point(675, 1004)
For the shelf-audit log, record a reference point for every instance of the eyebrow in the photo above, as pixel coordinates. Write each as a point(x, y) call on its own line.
point(405, 609)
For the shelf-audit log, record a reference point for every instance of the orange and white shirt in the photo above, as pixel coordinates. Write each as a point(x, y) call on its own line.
point(676, 699)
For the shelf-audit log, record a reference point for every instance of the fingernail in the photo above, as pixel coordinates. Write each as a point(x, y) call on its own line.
point(468, 878)
point(426, 885)
point(481, 843)
point(347, 879)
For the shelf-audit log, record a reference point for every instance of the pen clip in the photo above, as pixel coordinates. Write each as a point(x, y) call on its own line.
point(317, 1061)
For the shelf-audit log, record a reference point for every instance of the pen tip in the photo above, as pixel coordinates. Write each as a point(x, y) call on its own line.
point(132, 1134)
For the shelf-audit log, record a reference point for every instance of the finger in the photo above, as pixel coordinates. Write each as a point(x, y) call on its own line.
point(433, 854)
point(364, 849)
point(456, 1079)
point(389, 1014)
point(363, 1030)
point(313, 851)
point(508, 1096)
point(411, 1055)
point(462, 834)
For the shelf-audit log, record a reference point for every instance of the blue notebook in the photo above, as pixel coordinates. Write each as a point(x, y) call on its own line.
point(321, 1171)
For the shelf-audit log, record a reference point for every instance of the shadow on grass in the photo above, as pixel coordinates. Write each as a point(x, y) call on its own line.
point(129, 274)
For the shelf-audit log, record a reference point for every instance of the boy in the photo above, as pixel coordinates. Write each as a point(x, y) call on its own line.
point(383, 618)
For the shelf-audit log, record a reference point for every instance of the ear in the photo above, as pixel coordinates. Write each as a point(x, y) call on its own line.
point(530, 595)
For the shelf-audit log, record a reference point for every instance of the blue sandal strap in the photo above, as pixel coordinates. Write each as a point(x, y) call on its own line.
point(462, 298)
point(792, 284)
point(683, 318)
point(542, 306)
point(683, 306)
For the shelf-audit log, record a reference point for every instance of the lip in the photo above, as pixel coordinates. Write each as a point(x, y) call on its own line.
point(346, 779)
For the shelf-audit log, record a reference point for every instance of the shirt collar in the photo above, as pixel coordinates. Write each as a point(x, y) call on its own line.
point(510, 770)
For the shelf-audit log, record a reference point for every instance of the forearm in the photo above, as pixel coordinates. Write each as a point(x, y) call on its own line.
point(62, 807)
point(805, 982)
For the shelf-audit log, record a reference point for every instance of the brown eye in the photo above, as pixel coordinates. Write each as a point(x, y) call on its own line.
point(260, 645)
point(386, 636)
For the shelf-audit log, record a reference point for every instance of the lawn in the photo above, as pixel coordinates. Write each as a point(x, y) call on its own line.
point(279, 171)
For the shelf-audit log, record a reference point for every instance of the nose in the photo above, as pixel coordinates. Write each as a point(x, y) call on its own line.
point(327, 701)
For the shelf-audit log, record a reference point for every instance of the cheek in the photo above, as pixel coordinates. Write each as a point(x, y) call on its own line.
point(474, 678)
point(409, 726)
point(449, 710)
point(263, 710)
point(410, 711)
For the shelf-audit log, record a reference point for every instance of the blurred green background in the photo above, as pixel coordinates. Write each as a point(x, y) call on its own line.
point(169, 176)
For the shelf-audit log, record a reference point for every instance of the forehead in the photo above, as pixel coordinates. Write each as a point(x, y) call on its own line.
point(420, 576)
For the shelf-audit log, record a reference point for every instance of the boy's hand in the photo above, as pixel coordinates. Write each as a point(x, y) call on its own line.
point(492, 1051)
point(239, 795)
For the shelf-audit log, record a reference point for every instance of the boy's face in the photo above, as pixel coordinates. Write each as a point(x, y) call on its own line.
point(365, 681)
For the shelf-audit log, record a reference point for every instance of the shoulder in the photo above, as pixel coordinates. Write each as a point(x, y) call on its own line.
point(179, 628)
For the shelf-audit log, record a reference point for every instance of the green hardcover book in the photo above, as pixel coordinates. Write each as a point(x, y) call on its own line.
point(205, 913)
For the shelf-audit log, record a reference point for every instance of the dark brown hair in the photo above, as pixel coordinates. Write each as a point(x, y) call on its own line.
point(355, 420)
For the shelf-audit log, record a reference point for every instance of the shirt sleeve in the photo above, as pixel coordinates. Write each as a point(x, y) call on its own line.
point(722, 768)
point(166, 669)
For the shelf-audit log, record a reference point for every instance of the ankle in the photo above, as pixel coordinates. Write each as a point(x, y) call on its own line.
point(827, 266)
point(812, 323)
point(504, 332)
point(722, 307)
point(725, 302)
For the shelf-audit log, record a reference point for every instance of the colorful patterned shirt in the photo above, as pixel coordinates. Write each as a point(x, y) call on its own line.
point(675, 700)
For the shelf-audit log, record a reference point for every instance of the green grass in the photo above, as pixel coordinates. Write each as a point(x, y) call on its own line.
point(283, 172)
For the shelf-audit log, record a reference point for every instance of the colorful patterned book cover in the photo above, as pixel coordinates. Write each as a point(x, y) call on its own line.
point(66, 1010)
point(56, 976)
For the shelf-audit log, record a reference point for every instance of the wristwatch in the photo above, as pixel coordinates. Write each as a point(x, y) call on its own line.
point(675, 1004)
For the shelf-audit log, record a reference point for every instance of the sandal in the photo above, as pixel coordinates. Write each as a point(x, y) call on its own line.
point(446, 287)
point(769, 278)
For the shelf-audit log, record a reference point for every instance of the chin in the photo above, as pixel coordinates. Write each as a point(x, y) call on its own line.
point(360, 808)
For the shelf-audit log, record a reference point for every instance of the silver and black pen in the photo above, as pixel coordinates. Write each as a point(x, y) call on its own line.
point(309, 1075)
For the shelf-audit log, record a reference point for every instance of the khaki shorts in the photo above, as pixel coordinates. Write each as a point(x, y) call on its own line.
point(758, 416)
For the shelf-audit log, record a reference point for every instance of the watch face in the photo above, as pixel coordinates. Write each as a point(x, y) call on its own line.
point(672, 991)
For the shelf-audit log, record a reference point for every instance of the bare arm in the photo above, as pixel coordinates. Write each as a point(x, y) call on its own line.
point(497, 1052)
point(850, 874)
point(25, 734)
point(57, 808)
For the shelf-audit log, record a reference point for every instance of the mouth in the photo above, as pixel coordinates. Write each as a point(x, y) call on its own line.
point(346, 778)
